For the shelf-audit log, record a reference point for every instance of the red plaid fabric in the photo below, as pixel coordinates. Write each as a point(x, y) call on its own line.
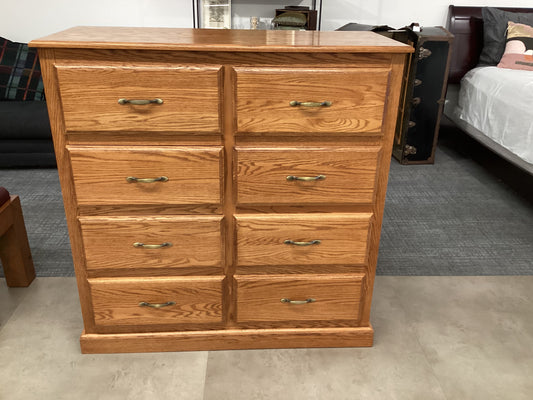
point(20, 72)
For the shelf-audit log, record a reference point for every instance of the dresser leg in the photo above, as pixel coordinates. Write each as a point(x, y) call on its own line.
point(14, 247)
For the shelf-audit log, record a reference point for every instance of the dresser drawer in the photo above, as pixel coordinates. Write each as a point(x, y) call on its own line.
point(129, 243)
point(156, 301)
point(306, 175)
point(191, 98)
point(101, 175)
point(298, 297)
point(356, 96)
point(302, 239)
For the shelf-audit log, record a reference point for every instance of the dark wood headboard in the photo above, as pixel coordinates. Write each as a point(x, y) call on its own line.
point(466, 24)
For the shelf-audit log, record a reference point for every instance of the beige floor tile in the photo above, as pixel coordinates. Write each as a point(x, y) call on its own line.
point(395, 368)
point(40, 357)
point(10, 298)
point(436, 338)
point(476, 332)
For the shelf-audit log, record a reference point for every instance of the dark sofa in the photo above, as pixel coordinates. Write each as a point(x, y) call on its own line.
point(25, 136)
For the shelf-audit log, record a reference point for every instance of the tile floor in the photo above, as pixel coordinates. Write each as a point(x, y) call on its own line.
point(436, 338)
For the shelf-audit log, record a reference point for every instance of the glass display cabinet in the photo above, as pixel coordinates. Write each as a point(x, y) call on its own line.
point(252, 14)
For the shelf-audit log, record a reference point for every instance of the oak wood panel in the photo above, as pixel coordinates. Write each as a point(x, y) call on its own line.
point(195, 242)
point(357, 97)
point(336, 297)
point(116, 302)
point(389, 124)
point(194, 174)
point(121, 57)
point(191, 98)
point(64, 168)
point(149, 210)
point(228, 339)
point(220, 40)
point(229, 203)
point(300, 269)
point(343, 239)
point(308, 208)
point(350, 175)
point(357, 224)
point(139, 138)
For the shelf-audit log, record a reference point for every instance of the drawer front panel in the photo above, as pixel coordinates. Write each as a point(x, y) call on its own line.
point(191, 98)
point(306, 175)
point(167, 242)
point(302, 239)
point(100, 175)
point(298, 297)
point(117, 302)
point(264, 95)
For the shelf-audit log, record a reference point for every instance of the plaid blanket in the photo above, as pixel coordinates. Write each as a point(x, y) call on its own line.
point(20, 72)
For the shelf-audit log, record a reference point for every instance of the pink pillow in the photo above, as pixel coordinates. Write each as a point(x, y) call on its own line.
point(519, 47)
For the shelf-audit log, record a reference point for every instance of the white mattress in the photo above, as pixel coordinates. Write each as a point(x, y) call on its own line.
point(499, 103)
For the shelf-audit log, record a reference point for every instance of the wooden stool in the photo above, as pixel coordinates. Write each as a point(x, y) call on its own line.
point(14, 247)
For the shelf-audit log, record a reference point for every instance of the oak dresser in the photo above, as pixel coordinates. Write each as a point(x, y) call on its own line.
point(223, 189)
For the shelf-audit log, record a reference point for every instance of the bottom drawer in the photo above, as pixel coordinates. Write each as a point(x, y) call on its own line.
point(156, 301)
point(298, 298)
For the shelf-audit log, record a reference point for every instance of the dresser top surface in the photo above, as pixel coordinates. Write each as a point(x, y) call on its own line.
point(86, 37)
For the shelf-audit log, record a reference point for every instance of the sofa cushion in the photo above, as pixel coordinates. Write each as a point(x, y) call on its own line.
point(20, 72)
point(24, 120)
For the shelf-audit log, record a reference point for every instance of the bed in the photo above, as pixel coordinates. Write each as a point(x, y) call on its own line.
point(493, 105)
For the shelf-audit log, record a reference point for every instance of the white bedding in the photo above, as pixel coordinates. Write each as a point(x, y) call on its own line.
point(499, 103)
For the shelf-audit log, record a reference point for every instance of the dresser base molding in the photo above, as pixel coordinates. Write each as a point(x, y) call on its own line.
point(231, 339)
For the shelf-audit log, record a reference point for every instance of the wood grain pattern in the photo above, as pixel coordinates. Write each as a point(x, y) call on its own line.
point(336, 297)
point(15, 251)
point(217, 194)
point(194, 174)
point(116, 301)
point(343, 239)
point(357, 97)
point(350, 175)
point(90, 94)
point(196, 242)
point(389, 124)
point(120, 57)
point(64, 168)
point(220, 40)
point(228, 339)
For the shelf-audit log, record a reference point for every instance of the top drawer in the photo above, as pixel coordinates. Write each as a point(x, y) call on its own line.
point(332, 100)
point(191, 98)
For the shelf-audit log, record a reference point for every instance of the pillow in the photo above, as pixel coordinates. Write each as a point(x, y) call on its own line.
point(20, 72)
point(519, 47)
point(290, 18)
point(494, 26)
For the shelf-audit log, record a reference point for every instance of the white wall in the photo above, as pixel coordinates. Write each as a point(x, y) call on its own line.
point(398, 13)
point(25, 20)
point(29, 19)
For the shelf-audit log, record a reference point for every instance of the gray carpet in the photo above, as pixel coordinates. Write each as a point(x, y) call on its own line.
point(471, 213)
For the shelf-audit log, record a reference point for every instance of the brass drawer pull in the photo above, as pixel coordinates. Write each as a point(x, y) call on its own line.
point(146, 180)
point(298, 301)
point(424, 53)
point(152, 246)
point(306, 178)
point(139, 102)
point(301, 243)
point(156, 305)
point(296, 103)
